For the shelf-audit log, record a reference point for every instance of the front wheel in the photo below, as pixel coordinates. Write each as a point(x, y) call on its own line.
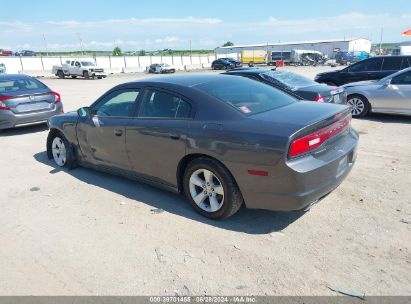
point(359, 105)
point(60, 74)
point(211, 189)
point(86, 75)
point(58, 148)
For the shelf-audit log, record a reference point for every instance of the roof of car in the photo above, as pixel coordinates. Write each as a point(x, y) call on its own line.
point(190, 80)
point(13, 76)
point(248, 71)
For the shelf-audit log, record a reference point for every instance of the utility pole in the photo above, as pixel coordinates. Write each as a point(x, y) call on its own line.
point(81, 43)
point(382, 29)
point(191, 60)
point(45, 44)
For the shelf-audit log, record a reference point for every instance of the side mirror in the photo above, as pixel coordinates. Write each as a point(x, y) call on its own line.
point(84, 112)
point(387, 83)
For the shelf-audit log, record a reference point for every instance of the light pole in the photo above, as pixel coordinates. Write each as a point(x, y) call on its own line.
point(191, 60)
point(81, 43)
point(45, 44)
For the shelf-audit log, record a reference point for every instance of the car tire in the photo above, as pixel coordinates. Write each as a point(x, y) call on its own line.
point(60, 150)
point(86, 75)
point(359, 105)
point(212, 186)
point(60, 74)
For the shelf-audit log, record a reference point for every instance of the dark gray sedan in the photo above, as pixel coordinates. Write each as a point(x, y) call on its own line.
point(224, 141)
point(26, 101)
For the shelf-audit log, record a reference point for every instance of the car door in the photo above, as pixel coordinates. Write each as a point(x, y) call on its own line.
point(396, 96)
point(364, 70)
point(101, 135)
point(374, 69)
point(156, 137)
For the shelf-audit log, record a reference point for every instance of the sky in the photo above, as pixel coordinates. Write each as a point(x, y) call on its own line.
point(160, 24)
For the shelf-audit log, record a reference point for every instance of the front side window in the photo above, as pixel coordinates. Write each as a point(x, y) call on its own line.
point(367, 65)
point(158, 104)
point(117, 104)
point(404, 79)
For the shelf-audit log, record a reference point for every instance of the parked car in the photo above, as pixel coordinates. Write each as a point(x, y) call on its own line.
point(76, 68)
point(222, 64)
point(221, 140)
point(368, 69)
point(236, 62)
point(391, 94)
point(25, 53)
point(6, 52)
point(25, 101)
point(345, 57)
point(299, 86)
point(161, 68)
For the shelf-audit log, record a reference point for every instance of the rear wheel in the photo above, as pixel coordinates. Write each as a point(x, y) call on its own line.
point(60, 74)
point(211, 189)
point(359, 105)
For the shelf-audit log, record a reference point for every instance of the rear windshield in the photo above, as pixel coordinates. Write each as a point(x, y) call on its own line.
point(291, 80)
point(16, 85)
point(246, 95)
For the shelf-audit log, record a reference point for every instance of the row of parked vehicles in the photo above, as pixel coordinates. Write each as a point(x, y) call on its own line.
point(243, 137)
point(4, 52)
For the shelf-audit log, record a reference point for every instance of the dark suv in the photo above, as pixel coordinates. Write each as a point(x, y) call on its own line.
point(222, 64)
point(368, 69)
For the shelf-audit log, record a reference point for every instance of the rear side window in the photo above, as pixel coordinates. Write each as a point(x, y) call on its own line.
point(20, 85)
point(367, 65)
point(406, 63)
point(159, 104)
point(246, 95)
point(392, 64)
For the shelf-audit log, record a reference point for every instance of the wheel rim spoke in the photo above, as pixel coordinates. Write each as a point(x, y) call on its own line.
point(219, 190)
point(196, 180)
point(199, 198)
point(214, 204)
point(208, 176)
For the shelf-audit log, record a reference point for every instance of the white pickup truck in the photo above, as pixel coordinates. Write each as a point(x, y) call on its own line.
point(75, 68)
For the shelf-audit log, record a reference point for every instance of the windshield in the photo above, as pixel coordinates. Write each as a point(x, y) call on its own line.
point(87, 63)
point(291, 80)
point(246, 95)
point(16, 85)
point(164, 64)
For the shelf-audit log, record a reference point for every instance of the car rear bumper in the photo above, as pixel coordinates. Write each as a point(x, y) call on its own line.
point(8, 119)
point(296, 184)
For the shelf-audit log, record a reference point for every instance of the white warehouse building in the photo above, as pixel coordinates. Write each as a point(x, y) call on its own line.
point(327, 47)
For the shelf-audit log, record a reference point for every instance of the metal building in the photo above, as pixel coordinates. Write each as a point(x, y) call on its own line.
point(327, 47)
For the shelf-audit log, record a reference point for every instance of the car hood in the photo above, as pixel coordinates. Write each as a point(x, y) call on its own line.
point(329, 73)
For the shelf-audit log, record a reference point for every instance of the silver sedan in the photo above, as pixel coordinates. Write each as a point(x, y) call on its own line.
point(391, 94)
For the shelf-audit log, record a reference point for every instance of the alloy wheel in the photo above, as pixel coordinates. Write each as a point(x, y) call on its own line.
point(206, 190)
point(357, 105)
point(59, 151)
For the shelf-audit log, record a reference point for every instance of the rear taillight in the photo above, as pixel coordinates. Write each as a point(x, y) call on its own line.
point(57, 97)
point(314, 140)
point(319, 98)
point(2, 104)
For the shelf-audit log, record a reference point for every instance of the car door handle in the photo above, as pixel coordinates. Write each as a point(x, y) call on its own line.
point(175, 136)
point(118, 132)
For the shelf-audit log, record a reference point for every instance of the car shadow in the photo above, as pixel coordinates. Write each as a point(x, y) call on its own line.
point(388, 118)
point(23, 130)
point(246, 220)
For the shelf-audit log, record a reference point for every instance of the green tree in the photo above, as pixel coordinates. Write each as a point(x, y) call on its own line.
point(117, 51)
point(228, 43)
point(142, 53)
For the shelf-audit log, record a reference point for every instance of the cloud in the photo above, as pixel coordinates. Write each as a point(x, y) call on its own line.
point(158, 33)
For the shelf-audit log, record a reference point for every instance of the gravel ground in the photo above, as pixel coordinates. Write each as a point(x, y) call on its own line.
point(81, 232)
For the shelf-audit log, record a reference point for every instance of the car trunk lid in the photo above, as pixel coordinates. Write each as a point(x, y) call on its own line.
point(29, 102)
